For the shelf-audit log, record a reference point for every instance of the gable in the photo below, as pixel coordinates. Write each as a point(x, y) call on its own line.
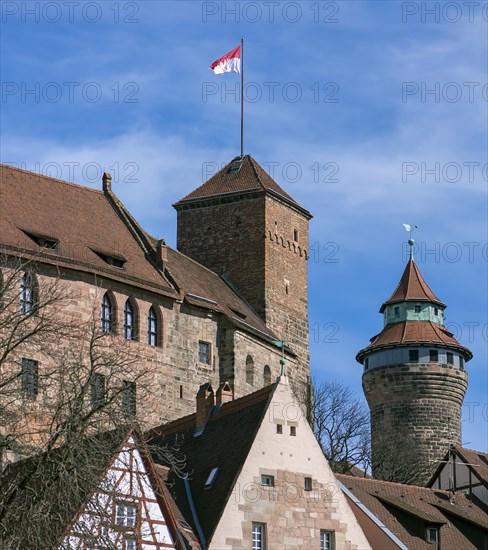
point(294, 516)
point(123, 508)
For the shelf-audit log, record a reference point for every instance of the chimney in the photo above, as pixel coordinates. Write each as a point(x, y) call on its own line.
point(224, 394)
point(205, 403)
point(161, 253)
point(106, 182)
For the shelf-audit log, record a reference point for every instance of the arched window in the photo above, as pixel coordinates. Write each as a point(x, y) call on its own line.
point(107, 314)
point(266, 375)
point(26, 294)
point(249, 370)
point(129, 321)
point(152, 327)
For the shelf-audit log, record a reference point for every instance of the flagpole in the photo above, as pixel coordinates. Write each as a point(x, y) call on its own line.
point(242, 97)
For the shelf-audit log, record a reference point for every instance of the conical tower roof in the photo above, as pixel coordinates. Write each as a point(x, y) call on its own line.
point(239, 176)
point(412, 288)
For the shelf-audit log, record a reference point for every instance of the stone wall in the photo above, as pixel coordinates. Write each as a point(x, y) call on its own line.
point(419, 402)
point(172, 370)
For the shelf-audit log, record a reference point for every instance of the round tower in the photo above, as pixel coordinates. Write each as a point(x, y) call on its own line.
point(414, 380)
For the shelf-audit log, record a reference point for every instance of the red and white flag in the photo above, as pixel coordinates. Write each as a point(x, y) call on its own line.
point(229, 63)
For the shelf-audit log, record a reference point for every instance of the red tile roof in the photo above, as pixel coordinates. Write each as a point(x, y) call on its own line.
point(406, 510)
point(89, 224)
point(409, 333)
point(412, 287)
point(224, 443)
point(250, 177)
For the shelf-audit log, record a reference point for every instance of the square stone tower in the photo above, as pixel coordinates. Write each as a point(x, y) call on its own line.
point(242, 225)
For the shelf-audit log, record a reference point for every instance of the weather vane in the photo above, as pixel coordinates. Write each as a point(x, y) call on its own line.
point(411, 242)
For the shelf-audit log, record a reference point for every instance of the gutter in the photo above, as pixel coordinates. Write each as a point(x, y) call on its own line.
point(371, 516)
point(194, 514)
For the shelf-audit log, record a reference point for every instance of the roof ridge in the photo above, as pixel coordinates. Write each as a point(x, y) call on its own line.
point(49, 178)
point(394, 483)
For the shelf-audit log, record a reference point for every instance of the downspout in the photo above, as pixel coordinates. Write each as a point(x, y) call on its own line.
point(194, 513)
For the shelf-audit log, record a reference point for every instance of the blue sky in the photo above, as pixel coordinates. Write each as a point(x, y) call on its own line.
point(371, 114)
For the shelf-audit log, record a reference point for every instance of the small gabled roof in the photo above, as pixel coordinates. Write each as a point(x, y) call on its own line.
point(412, 287)
point(476, 461)
point(408, 333)
point(405, 510)
point(240, 175)
point(224, 444)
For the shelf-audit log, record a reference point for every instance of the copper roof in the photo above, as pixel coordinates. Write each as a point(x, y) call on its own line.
point(409, 333)
point(407, 510)
point(412, 287)
point(250, 177)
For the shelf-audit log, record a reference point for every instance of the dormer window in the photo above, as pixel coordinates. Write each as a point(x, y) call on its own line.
point(114, 261)
point(235, 166)
point(44, 242)
point(432, 535)
point(211, 478)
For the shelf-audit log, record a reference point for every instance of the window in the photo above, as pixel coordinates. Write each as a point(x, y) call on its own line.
point(266, 375)
point(130, 543)
point(125, 515)
point(279, 428)
point(366, 363)
point(267, 480)
point(26, 294)
point(128, 398)
point(308, 484)
point(204, 352)
point(97, 390)
point(327, 540)
point(433, 535)
point(258, 536)
point(293, 430)
point(433, 356)
point(413, 355)
point(450, 358)
point(211, 478)
point(295, 235)
point(29, 378)
point(461, 363)
point(152, 327)
point(106, 314)
point(249, 370)
point(417, 309)
point(129, 325)
point(397, 311)
point(436, 311)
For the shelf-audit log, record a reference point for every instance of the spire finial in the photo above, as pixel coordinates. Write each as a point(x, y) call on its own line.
point(281, 344)
point(408, 227)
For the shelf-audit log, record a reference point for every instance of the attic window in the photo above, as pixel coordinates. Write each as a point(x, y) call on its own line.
point(211, 478)
point(293, 430)
point(44, 242)
point(114, 261)
point(267, 480)
point(308, 484)
point(235, 167)
point(238, 313)
point(433, 535)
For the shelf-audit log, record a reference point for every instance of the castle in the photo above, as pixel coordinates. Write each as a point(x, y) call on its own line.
point(222, 308)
